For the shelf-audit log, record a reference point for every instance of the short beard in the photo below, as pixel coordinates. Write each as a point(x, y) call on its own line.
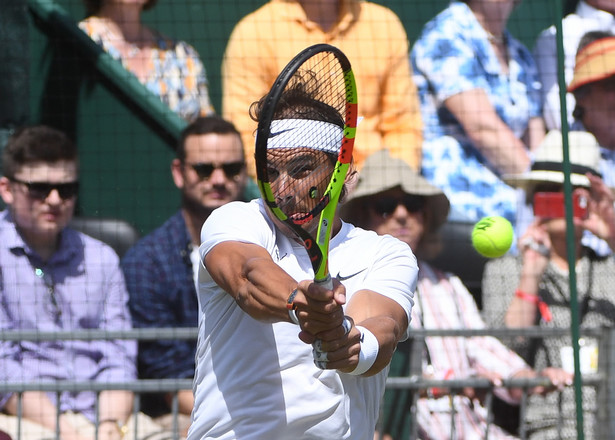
point(194, 208)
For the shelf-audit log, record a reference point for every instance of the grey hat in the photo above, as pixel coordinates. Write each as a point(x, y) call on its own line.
point(547, 166)
point(381, 172)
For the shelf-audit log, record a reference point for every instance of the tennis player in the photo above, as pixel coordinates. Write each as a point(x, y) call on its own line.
point(257, 373)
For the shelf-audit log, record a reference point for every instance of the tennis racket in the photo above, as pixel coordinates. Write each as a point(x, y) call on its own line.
point(304, 142)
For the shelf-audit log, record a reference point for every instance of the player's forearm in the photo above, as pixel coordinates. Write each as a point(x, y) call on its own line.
point(388, 333)
point(252, 278)
point(384, 318)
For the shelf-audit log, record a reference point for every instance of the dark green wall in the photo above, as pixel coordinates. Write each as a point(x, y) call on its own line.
point(125, 164)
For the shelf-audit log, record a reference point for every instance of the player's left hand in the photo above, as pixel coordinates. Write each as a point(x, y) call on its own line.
point(338, 348)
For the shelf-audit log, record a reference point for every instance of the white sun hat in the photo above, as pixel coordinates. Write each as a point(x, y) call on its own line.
point(548, 163)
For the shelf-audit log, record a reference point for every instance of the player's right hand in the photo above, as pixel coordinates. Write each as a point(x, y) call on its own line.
point(319, 309)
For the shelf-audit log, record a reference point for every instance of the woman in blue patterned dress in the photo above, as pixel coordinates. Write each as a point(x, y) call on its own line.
point(170, 69)
point(481, 106)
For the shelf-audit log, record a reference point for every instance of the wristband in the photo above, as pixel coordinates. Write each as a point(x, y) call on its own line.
point(543, 308)
point(368, 353)
point(290, 302)
point(528, 297)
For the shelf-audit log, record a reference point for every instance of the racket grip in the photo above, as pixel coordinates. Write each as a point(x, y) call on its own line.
point(327, 283)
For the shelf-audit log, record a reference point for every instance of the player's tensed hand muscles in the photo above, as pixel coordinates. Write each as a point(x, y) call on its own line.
point(321, 318)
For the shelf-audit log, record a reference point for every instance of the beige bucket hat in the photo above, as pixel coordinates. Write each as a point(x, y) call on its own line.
point(584, 154)
point(382, 172)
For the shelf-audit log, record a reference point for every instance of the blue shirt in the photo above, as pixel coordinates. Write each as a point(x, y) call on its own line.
point(81, 287)
point(160, 282)
point(453, 55)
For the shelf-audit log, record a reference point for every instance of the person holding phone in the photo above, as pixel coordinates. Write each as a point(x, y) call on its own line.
point(532, 288)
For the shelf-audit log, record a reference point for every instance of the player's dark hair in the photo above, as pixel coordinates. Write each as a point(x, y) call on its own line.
point(92, 7)
point(300, 100)
point(38, 143)
point(204, 125)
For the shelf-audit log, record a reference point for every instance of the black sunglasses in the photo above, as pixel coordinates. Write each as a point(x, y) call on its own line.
point(231, 169)
point(386, 205)
point(41, 190)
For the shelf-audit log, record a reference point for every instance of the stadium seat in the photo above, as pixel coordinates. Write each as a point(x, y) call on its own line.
point(117, 233)
point(459, 257)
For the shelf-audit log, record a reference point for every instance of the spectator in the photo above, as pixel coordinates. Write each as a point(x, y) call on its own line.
point(370, 35)
point(392, 199)
point(481, 106)
point(160, 269)
point(590, 15)
point(593, 86)
point(57, 279)
point(533, 288)
point(170, 69)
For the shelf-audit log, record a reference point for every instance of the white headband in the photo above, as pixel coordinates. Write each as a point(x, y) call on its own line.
point(295, 133)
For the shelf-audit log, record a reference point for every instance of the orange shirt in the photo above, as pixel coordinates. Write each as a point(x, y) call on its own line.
point(375, 42)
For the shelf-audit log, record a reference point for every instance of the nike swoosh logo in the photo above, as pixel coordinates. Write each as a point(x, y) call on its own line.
point(279, 132)
point(342, 278)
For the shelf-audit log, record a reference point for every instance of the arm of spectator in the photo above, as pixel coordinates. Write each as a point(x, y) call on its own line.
point(601, 219)
point(116, 405)
point(38, 408)
point(535, 133)
point(491, 136)
point(534, 246)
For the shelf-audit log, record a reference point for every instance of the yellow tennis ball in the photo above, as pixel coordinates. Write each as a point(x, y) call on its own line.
point(492, 236)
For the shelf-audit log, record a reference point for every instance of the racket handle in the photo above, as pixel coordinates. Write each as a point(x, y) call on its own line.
point(327, 283)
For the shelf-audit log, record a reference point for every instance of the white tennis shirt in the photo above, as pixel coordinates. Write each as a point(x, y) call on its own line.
point(257, 380)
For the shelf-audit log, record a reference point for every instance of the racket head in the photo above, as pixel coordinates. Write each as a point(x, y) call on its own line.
point(304, 143)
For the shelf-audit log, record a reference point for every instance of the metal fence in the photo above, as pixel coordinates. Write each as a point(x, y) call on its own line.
point(398, 416)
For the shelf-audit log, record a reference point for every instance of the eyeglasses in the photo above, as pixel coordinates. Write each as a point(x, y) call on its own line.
point(41, 190)
point(232, 170)
point(386, 205)
point(55, 309)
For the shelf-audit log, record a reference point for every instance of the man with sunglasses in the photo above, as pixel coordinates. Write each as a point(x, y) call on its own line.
point(53, 278)
point(160, 269)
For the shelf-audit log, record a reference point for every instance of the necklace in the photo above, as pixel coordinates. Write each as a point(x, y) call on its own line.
point(493, 39)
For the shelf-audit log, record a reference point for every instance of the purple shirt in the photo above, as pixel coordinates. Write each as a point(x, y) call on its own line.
point(81, 287)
